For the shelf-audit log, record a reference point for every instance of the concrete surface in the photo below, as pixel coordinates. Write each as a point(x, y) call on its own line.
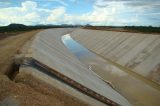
point(48, 48)
point(55, 83)
point(137, 92)
point(138, 52)
point(135, 52)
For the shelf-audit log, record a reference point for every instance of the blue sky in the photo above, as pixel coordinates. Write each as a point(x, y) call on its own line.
point(94, 12)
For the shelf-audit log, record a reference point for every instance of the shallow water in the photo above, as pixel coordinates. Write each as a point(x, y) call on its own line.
point(136, 91)
point(75, 47)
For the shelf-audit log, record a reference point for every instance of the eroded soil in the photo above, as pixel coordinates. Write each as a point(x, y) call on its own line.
point(26, 90)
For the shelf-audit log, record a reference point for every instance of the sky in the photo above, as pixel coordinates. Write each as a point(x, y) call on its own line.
point(82, 12)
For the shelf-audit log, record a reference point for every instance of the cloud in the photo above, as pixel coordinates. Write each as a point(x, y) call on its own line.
point(104, 12)
point(29, 5)
point(130, 12)
point(24, 14)
point(29, 14)
point(113, 12)
point(56, 15)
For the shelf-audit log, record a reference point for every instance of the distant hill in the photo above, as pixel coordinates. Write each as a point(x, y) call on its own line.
point(20, 27)
point(16, 26)
point(13, 28)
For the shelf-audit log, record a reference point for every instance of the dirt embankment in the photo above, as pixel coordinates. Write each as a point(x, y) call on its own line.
point(5, 34)
point(25, 90)
point(9, 47)
point(28, 91)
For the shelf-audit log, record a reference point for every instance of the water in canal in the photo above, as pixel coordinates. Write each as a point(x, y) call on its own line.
point(136, 91)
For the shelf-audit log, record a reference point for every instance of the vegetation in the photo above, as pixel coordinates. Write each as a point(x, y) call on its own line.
point(143, 29)
point(21, 27)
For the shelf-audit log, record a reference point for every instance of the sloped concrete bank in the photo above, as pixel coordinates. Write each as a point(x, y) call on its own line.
point(48, 49)
point(133, 88)
point(25, 89)
point(70, 69)
point(138, 52)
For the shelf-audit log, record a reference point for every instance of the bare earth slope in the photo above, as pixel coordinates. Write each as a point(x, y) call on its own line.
point(26, 90)
point(9, 47)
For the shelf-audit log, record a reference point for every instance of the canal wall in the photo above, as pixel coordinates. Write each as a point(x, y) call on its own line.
point(50, 54)
point(136, 52)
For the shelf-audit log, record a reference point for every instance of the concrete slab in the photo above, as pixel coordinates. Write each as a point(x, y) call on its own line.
point(48, 48)
point(131, 50)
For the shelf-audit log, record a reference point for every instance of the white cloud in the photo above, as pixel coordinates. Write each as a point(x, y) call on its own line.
point(103, 13)
point(24, 14)
point(112, 14)
point(29, 5)
point(29, 14)
point(56, 15)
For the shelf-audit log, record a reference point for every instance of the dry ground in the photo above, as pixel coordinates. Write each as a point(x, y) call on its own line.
point(26, 90)
point(9, 47)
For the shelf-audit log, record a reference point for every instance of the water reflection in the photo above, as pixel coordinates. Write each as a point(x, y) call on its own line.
point(88, 57)
point(135, 90)
point(75, 47)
